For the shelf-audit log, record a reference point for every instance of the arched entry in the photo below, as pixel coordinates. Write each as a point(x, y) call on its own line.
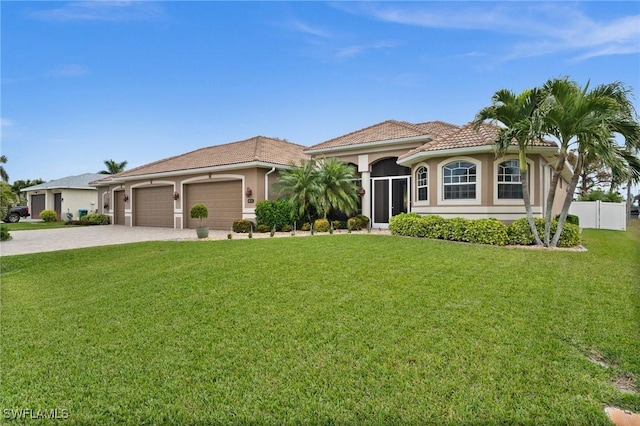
point(390, 183)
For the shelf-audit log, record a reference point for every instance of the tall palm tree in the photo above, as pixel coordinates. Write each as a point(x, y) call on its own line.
point(3, 172)
point(113, 167)
point(520, 118)
point(301, 187)
point(589, 121)
point(337, 182)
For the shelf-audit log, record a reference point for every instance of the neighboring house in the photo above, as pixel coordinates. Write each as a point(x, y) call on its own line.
point(67, 195)
point(429, 168)
point(229, 179)
point(440, 168)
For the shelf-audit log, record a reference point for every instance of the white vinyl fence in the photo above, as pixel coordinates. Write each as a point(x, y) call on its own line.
point(600, 215)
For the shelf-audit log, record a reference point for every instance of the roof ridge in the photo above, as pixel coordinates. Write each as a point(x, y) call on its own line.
point(357, 131)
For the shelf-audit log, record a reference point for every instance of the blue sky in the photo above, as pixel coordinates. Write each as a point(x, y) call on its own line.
point(83, 82)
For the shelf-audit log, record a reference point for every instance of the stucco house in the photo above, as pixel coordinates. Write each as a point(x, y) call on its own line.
point(428, 168)
point(229, 179)
point(66, 195)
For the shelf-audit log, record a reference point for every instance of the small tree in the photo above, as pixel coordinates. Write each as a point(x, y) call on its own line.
point(199, 211)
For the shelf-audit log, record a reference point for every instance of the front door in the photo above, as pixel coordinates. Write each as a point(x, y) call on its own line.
point(390, 198)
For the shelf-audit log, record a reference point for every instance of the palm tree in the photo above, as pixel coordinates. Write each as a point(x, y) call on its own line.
point(588, 120)
point(520, 116)
point(3, 172)
point(113, 167)
point(301, 187)
point(337, 182)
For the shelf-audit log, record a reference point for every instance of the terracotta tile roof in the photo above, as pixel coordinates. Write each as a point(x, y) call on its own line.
point(467, 136)
point(387, 130)
point(257, 149)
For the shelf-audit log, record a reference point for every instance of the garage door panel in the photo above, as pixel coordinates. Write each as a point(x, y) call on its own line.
point(37, 205)
point(223, 199)
point(153, 206)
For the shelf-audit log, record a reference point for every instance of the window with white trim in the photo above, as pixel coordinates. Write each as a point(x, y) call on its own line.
point(459, 180)
point(509, 180)
point(422, 183)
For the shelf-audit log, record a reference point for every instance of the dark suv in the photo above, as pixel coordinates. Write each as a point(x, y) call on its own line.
point(16, 213)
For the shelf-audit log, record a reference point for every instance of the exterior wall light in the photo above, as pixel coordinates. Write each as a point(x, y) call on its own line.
point(125, 198)
point(176, 195)
point(248, 192)
point(361, 192)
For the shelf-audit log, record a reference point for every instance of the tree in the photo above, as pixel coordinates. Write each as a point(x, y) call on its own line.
point(7, 199)
point(520, 117)
point(3, 173)
point(588, 120)
point(595, 175)
point(18, 185)
point(317, 186)
point(337, 182)
point(113, 167)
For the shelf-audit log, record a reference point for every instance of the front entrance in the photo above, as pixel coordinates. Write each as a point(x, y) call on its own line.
point(390, 197)
point(390, 185)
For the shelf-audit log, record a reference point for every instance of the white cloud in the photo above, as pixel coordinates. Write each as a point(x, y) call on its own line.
point(69, 70)
point(536, 28)
point(305, 28)
point(108, 10)
point(354, 50)
point(5, 122)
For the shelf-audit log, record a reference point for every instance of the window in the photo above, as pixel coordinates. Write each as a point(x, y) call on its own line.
point(422, 183)
point(459, 180)
point(509, 183)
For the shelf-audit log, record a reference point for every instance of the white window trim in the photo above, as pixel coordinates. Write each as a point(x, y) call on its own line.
point(414, 178)
point(532, 182)
point(469, 201)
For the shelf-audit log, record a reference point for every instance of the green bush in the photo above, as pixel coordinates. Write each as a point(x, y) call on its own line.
point(363, 221)
point(273, 213)
point(487, 231)
point(520, 234)
point(4, 233)
point(305, 226)
point(339, 224)
point(48, 215)
point(455, 229)
point(242, 226)
point(263, 228)
point(321, 225)
point(353, 224)
point(571, 218)
point(95, 219)
point(407, 224)
point(287, 228)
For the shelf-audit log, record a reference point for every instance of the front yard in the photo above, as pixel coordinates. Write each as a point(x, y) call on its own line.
point(348, 329)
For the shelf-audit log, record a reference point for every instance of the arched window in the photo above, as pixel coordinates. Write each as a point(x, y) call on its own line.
point(422, 183)
point(459, 180)
point(509, 182)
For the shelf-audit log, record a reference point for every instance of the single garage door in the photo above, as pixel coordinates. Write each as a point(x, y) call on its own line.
point(223, 199)
point(37, 205)
point(153, 206)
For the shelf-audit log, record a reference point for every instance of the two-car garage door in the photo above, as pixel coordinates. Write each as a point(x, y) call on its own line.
point(223, 199)
point(153, 206)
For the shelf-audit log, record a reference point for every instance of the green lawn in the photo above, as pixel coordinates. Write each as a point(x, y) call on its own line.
point(28, 226)
point(342, 329)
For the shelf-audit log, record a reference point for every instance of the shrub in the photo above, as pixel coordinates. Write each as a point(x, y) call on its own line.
point(487, 231)
point(263, 228)
point(338, 224)
point(363, 221)
point(406, 224)
point(4, 233)
point(520, 233)
point(95, 219)
point(199, 211)
point(48, 215)
point(432, 226)
point(305, 226)
point(571, 218)
point(321, 225)
point(286, 228)
point(242, 226)
point(273, 213)
point(455, 229)
point(353, 224)
point(570, 235)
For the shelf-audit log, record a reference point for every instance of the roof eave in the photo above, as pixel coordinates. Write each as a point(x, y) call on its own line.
point(356, 146)
point(183, 172)
point(482, 149)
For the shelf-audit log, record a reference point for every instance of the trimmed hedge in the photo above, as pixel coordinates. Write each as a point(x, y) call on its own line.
point(95, 219)
point(271, 213)
point(478, 231)
point(48, 215)
point(242, 226)
point(321, 225)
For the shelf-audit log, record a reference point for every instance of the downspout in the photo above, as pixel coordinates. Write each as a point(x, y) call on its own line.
point(266, 183)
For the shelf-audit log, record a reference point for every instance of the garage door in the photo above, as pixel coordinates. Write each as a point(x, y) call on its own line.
point(223, 199)
point(37, 205)
point(153, 206)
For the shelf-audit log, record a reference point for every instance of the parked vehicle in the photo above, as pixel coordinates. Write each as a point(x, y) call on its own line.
point(16, 213)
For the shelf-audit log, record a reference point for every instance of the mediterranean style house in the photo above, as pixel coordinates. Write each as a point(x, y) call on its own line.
point(427, 168)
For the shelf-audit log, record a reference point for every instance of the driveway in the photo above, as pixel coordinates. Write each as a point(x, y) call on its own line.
point(35, 241)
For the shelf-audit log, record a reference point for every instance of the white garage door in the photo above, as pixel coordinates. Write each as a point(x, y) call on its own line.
point(223, 199)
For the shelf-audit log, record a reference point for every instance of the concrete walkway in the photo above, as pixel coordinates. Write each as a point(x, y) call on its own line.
point(43, 240)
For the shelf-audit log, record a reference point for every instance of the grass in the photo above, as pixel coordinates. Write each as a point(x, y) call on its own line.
point(29, 226)
point(346, 329)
